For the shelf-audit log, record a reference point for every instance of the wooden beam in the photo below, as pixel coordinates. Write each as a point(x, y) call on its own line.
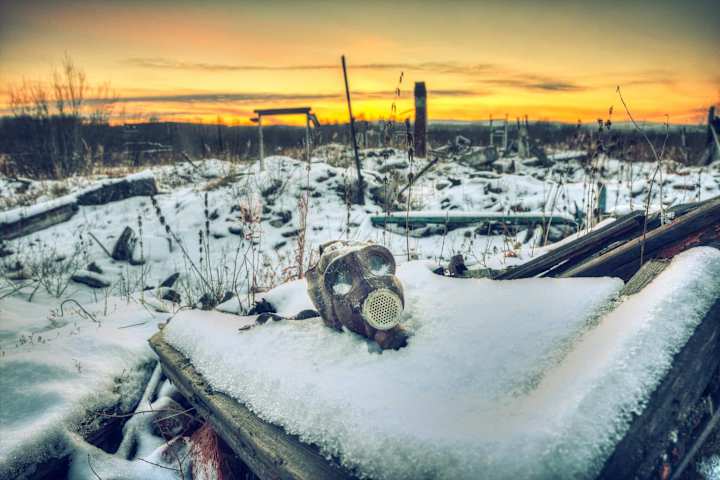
point(592, 245)
point(37, 221)
point(699, 227)
point(268, 450)
point(649, 438)
point(283, 111)
point(557, 261)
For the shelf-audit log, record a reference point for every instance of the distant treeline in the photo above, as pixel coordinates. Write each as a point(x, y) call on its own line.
point(53, 146)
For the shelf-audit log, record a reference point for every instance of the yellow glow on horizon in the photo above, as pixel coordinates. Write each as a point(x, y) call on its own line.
point(170, 61)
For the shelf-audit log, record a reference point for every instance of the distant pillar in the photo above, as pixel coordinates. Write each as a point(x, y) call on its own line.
point(711, 121)
point(420, 119)
point(261, 151)
point(307, 138)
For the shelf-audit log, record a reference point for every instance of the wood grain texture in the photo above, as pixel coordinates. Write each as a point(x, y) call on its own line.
point(268, 450)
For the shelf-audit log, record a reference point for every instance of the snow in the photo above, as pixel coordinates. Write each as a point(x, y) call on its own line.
point(254, 243)
point(324, 385)
point(55, 371)
point(16, 214)
point(533, 378)
point(709, 468)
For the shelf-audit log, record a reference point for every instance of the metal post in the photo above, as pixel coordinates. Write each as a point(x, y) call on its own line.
point(361, 186)
point(307, 138)
point(420, 119)
point(260, 143)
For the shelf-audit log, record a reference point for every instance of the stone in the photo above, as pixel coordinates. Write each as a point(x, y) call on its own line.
point(94, 267)
point(91, 279)
point(170, 281)
point(125, 245)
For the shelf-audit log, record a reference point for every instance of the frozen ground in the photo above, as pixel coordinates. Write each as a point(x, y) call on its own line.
point(254, 222)
point(60, 373)
point(489, 386)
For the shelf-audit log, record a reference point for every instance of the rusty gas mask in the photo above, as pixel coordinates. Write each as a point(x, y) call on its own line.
point(354, 286)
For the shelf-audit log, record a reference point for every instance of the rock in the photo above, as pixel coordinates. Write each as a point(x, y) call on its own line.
point(236, 230)
point(169, 294)
point(389, 166)
point(264, 317)
point(457, 267)
point(93, 267)
point(271, 189)
point(263, 306)
point(479, 157)
point(170, 281)
point(454, 181)
point(305, 314)
point(283, 217)
point(291, 233)
point(125, 245)
point(91, 279)
point(4, 250)
point(279, 245)
point(442, 184)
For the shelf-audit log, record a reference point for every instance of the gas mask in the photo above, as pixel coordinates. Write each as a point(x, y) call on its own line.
point(354, 286)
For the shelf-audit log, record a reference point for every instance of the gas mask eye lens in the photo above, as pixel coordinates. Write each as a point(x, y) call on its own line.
point(379, 265)
point(342, 284)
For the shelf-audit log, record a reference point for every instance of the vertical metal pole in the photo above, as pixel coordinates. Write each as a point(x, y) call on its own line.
point(260, 143)
point(307, 138)
point(420, 120)
point(361, 187)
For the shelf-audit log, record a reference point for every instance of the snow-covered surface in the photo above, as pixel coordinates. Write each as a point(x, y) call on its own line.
point(12, 216)
point(57, 371)
point(15, 214)
point(709, 468)
point(253, 228)
point(518, 379)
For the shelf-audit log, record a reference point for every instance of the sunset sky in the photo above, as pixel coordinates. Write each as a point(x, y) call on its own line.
point(197, 61)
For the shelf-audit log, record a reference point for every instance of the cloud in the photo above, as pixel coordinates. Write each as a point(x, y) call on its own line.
point(532, 82)
point(171, 64)
point(219, 98)
point(248, 97)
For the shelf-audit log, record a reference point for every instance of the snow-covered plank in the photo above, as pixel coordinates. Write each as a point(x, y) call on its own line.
point(26, 220)
point(521, 379)
point(660, 431)
point(265, 448)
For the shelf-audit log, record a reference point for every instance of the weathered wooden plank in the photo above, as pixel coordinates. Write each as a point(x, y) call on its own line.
point(34, 222)
point(565, 256)
point(699, 227)
point(268, 450)
point(639, 454)
point(593, 244)
point(468, 218)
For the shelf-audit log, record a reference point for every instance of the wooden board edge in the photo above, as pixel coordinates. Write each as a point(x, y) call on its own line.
point(268, 450)
point(638, 454)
